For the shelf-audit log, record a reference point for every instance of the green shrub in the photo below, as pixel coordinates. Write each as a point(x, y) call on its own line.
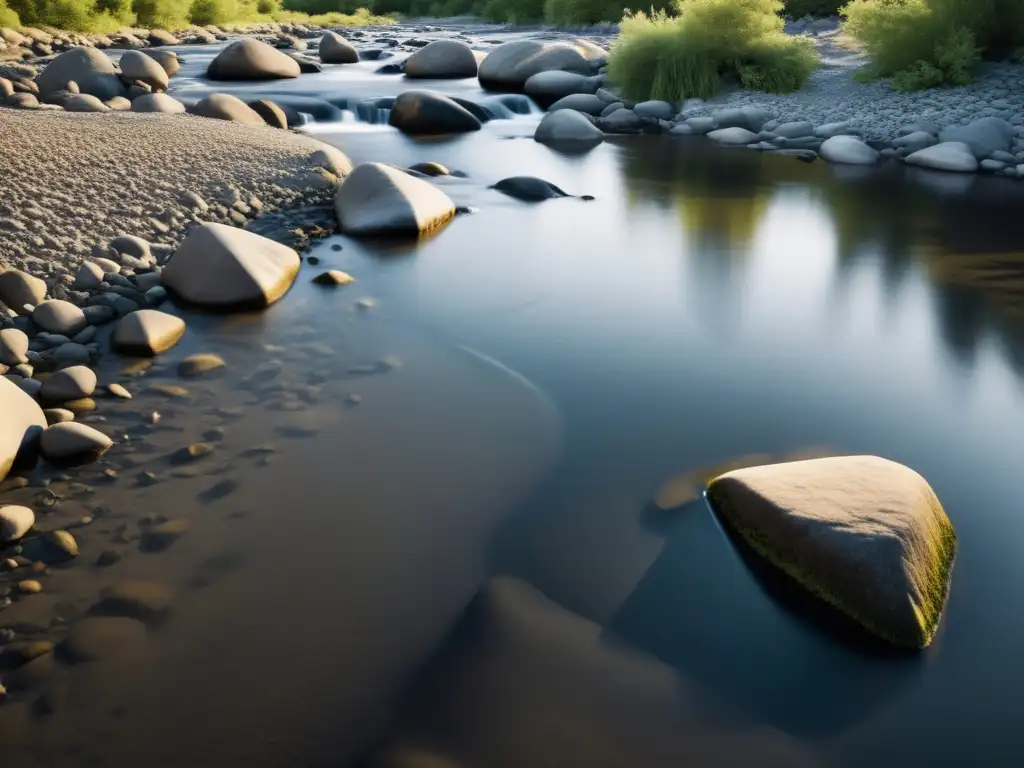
point(8, 18)
point(571, 13)
point(65, 14)
point(166, 14)
point(204, 12)
point(797, 9)
point(710, 41)
point(930, 43)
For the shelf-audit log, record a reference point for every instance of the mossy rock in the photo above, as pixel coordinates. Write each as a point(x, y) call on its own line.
point(864, 534)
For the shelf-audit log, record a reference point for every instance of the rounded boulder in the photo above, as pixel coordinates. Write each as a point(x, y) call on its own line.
point(442, 59)
point(335, 49)
point(511, 64)
point(568, 128)
point(80, 65)
point(147, 332)
point(379, 199)
point(21, 423)
point(427, 112)
point(224, 267)
point(158, 102)
point(224, 106)
point(251, 59)
point(136, 65)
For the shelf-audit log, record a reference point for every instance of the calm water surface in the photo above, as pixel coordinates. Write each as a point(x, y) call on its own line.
point(558, 362)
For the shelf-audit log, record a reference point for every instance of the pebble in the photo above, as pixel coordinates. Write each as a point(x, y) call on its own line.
point(169, 390)
point(161, 536)
point(192, 452)
point(15, 522)
point(71, 440)
point(60, 547)
point(107, 558)
point(200, 363)
point(30, 587)
point(117, 390)
point(333, 278)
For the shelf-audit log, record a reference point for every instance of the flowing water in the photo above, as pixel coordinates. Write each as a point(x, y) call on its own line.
point(528, 379)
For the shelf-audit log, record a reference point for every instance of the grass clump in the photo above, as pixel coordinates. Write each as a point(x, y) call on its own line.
point(709, 43)
point(931, 43)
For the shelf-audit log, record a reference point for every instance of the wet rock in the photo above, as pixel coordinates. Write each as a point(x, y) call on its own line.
point(101, 637)
point(587, 103)
point(442, 59)
point(70, 440)
point(220, 266)
point(428, 112)
point(67, 384)
point(191, 453)
point(21, 423)
point(146, 601)
point(15, 522)
point(864, 534)
point(58, 316)
point(167, 59)
point(19, 653)
point(56, 547)
point(84, 405)
point(272, 114)
point(529, 188)
point(159, 537)
point(734, 136)
point(251, 59)
point(72, 353)
point(376, 199)
point(30, 587)
point(58, 415)
point(511, 64)
point(335, 49)
point(13, 347)
point(118, 391)
point(333, 278)
point(548, 87)
point(198, 364)
point(147, 332)
point(568, 128)
point(169, 390)
point(224, 106)
point(427, 169)
point(848, 150)
point(953, 156)
point(107, 558)
point(983, 136)
point(18, 288)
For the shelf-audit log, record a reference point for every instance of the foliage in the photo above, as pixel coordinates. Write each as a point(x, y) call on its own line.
point(661, 57)
point(8, 17)
point(576, 13)
point(797, 9)
point(166, 14)
point(929, 43)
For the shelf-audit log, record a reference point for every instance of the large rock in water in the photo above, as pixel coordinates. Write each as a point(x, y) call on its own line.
point(93, 70)
point(510, 65)
point(224, 106)
point(378, 199)
point(952, 156)
point(865, 534)
point(251, 59)
point(335, 49)
point(21, 423)
point(442, 59)
point(427, 112)
point(548, 87)
point(848, 150)
point(224, 267)
point(569, 129)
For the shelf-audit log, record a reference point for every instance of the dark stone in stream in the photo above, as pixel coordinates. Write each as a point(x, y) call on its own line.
point(308, 67)
point(427, 112)
point(373, 54)
point(529, 188)
point(390, 69)
point(272, 114)
point(161, 536)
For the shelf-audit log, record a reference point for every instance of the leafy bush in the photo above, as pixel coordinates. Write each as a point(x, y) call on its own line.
point(167, 14)
point(929, 43)
point(797, 9)
point(661, 57)
point(8, 18)
point(572, 13)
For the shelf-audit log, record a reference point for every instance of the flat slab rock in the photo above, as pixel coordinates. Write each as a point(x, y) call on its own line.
point(865, 534)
